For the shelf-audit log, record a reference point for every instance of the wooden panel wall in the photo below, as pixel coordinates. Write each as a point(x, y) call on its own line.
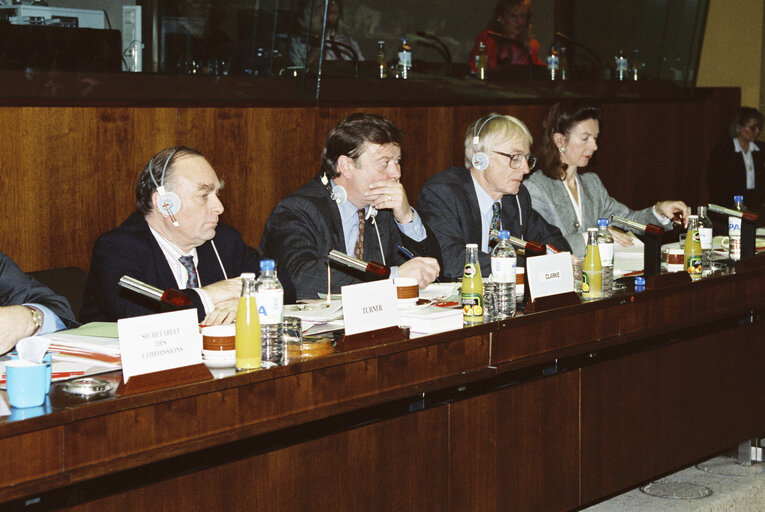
point(68, 173)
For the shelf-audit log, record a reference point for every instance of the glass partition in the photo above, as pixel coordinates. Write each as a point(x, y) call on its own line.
point(310, 39)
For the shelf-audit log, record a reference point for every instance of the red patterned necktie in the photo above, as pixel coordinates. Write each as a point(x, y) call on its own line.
point(358, 251)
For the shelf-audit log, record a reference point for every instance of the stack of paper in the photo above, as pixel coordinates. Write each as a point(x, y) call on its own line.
point(628, 259)
point(96, 342)
point(430, 319)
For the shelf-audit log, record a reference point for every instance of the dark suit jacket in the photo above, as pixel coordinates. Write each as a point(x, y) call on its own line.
point(449, 205)
point(306, 225)
point(726, 176)
point(132, 250)
point(18, 288)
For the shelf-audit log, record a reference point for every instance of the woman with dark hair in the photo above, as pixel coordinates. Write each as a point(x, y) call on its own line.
point(507, 37)
point(737, 165)
point(571, 201)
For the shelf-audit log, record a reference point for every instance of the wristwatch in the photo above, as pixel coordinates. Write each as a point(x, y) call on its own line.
point(37, 318)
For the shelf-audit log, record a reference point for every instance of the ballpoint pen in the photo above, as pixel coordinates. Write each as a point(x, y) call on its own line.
point(409, 255)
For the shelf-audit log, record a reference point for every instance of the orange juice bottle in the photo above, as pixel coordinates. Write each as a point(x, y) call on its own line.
point(472, 287)
point(247, 342)
point(693, 252)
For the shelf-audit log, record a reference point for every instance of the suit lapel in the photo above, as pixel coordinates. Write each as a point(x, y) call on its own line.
point(473, 214)
point(208, 267)
point(563, 200)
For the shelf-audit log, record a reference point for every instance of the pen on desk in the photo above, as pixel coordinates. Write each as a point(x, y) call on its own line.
point(409, 255)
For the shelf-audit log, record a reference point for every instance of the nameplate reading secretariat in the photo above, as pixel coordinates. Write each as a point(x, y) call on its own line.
point(164, 341)
point(369, 306)
point(549, 275)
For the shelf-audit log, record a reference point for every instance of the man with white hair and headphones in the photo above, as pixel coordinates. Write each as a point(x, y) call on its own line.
point(471, 204)
point(357, 206)
point(172, 240)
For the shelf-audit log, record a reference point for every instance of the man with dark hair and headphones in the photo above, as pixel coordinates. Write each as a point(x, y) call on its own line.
point(471, 204)
point(172, 240)
point(357, 206)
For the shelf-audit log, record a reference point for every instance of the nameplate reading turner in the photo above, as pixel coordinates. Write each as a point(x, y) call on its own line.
point(164, 341)
point(369, 306)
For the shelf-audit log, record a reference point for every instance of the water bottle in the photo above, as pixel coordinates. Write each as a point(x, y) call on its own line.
point(382, 63)
point(563, 62)
point(553, 64)
point(635, 66)
point(705, 233)
point(606, 247)
point(247, 337)
point(503, 263)
point(620, 65)
point(404, 59)
point(269, 296)
point(481, 62)
point(734, 230)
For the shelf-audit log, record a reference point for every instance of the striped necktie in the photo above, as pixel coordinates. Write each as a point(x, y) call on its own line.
point(495, 225)
point(188, 264)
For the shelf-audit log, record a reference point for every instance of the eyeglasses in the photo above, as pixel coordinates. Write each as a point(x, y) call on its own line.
point(517, 159)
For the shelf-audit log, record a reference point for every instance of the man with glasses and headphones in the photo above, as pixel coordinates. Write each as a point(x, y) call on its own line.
point(172, 240)
point(357, 206)
point(471, 204)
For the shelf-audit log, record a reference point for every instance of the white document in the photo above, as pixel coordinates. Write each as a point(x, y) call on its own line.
point(4, 410)
point(154, 343)
point(550, 274)
point(629, 259)
point(369, 306)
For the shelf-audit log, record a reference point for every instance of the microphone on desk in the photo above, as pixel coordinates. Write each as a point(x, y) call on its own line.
point(444, 50)
point(344, 49)
point(529, 247)
point(517, 44)
point(169, 296)
point(561, 35)
point(371, 267)
point(649, 229)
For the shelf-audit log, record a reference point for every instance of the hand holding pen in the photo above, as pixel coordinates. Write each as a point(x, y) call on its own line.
point(424, 269)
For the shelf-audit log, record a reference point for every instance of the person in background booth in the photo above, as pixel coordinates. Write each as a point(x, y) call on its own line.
point(339, 45)
point(470, 204)
point(507, 37)
point(737, 165)
point(172, 240)
point(27, 307)
point(572, 201)
point(357, 206)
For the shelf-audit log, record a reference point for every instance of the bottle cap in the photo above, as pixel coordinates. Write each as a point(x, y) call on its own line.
point(504, 235)
point(640, 281)
point(738, 199)
point(267, 265)
point(602, 223)
point(592, 229)
point(248, 275)
point(380, 42)
point(471, 246)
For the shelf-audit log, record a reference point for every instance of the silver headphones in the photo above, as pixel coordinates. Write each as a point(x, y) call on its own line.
point(168, 201)
point(480, 159)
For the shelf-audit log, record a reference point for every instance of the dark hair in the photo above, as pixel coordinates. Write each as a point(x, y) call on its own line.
point(740, 116)
point(561, 118)
point(350, 136)
point(500, 8)
point(145, 187)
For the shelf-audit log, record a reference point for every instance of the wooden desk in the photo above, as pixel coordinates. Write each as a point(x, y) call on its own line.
point(547, 411)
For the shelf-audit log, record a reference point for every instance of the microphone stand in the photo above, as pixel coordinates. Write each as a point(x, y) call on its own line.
point(169, 296)
point(445, 51)
point(652, 241)
point(748, 228)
